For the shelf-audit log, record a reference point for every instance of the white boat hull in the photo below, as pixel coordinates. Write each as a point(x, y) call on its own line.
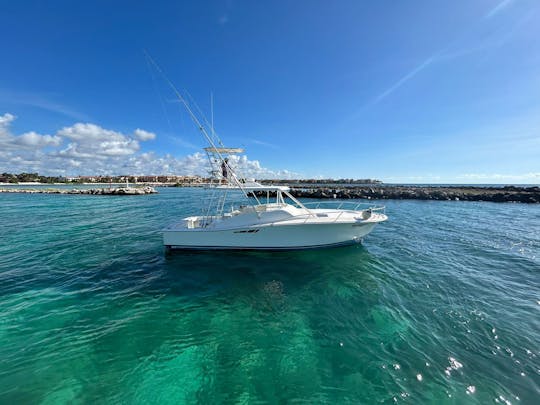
point(268, 237)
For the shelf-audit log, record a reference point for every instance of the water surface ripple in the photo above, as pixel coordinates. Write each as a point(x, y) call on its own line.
point(440, 305)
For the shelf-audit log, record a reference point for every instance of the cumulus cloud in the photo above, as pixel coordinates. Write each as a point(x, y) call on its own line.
point(90, 140)
point(89, 149)
point(143, 135)
point(33, 139)
point(253, 169)
point(6, 119)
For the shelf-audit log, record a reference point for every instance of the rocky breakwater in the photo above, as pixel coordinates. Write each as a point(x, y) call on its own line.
point(90, 191)
point(446, 193)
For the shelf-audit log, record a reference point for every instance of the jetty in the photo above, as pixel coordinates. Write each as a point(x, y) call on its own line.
point(530, 195)
point(89, 191)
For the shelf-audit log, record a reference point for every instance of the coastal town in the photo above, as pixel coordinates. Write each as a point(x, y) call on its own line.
point(36, 178)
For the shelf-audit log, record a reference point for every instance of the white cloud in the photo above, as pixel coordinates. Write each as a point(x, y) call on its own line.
point(92, 141)
point(88, 149)
point(33, 139)
point(143, 135)
point(28, 140)
point(5, 122)
point(534, 177)
point(253, 169)
point(196, 164)
point(6, 119)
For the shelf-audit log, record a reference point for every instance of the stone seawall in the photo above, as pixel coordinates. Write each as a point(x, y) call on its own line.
point(494, 194)
point(90, 191)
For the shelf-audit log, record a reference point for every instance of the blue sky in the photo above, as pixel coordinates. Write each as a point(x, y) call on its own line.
point(403, 91)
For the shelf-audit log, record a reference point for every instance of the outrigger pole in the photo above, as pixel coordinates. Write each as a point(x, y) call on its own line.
point(199, 125)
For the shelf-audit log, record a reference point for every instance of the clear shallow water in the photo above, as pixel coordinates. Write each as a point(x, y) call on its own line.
point(440, 305)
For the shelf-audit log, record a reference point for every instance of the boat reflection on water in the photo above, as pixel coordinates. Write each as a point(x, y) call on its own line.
point(244, 273)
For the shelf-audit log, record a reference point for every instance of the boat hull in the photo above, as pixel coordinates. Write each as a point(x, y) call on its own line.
point(270, 237)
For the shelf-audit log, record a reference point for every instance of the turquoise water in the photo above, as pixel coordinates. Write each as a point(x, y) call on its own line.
point(440, 305)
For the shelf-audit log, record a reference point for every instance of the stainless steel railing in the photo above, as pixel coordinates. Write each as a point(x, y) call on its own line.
point(344, 205)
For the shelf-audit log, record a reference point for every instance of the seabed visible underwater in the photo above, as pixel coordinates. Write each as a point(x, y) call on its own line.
point(441, 304)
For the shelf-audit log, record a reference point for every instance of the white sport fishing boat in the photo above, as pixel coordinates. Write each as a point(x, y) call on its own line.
point(281, 224)
point(277, 222)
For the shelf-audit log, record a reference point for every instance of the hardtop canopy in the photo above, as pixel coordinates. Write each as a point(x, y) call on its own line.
point(254, 186)
point(212, 149)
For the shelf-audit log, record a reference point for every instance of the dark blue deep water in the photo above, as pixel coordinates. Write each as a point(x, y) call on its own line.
point(440, 305)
